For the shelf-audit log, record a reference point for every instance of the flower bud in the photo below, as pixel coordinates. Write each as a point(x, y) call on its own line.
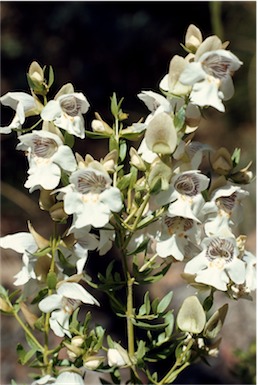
point(136, 160)
point(4, 306)
point(176, 67)
point(57, 212)
point(191, 316)
point(243, 176)
point(46, 200)
point(117, 356)
point(36, 73)
point(28, 315)
point(40, 241)
point(221, 161)
point(77, 341)
point(98, 125)
point(42, 267)
point(193, 38)
point(92, 362)
point(73, 351)
point(161, 135)
point(110, 161)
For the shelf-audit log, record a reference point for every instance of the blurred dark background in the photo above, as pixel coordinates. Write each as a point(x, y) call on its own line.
point(123, 47)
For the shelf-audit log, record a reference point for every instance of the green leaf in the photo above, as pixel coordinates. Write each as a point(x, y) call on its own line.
point(145, 307)
point(133, 136)
point(141, 350)
point(41, 294)
point(42, 252)
point(164, 302)
point(69, 139)
point(140, 248)
point(20, 353)
point(124, 182)
point(122, 150)
point(114, 106)
point(169, 319)
point(51, 76)
point(154, 305)
point(74, 324)
point(148, 326)
point(96, 135)
point(31, 343)
point(144, 222)
point(208, 302)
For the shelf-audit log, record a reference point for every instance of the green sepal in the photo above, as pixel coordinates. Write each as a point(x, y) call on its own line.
point(51, 280)
point(179, 118)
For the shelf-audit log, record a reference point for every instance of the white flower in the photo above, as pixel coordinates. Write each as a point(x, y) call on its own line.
point(106, 239)
point(190, 155)
point(91, 198)
point(224, 208)
point(177, 233)
point(78, 253)
point(47, 155)
point(66, 111)
point(69, 378)
point(146, 154)
point(69, 296)
point(210, 76)
point(171, 82)
point(185, 194)
point(23, 104)
point(155, 102)
point(251, 276)
point(218, 263)
point(25, 244)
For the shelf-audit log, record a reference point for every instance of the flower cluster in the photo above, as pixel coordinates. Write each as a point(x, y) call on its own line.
point(176, 200)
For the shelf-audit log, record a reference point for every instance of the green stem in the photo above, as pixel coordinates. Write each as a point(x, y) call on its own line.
point(215, 10)
point(179, 362)
point(28, 332)
point(130, 315)
point(54, 245)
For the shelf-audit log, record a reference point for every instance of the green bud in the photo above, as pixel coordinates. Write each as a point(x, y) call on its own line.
point(215, 323)
point(136, 160)
point(161, 135)
point(191, 316)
